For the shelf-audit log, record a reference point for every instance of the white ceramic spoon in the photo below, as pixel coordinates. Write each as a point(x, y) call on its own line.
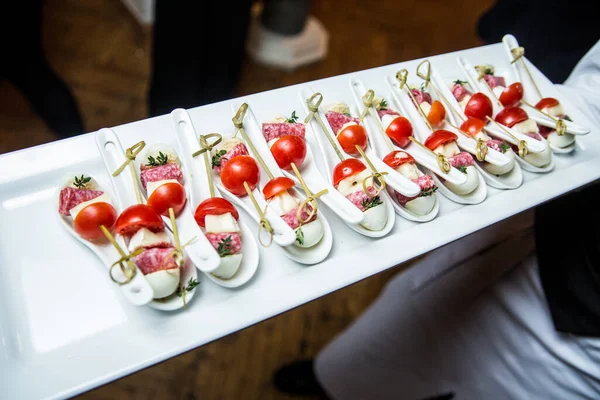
point(510, 180)
point(510, 42)
point(421, 131)
point(311, 255)
point(199, 191)
point(534, 146)
point(422, 156)
point(112, 153)
point(383, 146)
point(137, 291)
point(310, 173)
point(331, 161)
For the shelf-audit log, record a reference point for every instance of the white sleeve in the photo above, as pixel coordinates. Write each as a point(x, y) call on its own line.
point(583, 84)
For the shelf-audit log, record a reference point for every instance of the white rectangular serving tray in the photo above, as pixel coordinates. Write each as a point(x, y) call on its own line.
point(65, 328)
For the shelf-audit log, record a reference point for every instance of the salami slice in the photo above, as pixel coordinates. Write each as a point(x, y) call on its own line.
point(276, 130)
point(459, 92)
point(427, 186)
point(161, 173)
point(386, 111)
point(234, 244)
point(70, 197)
point(495, 144)
point(421, 96)
point(357, 198)
point(292, 219)
point(462, 159)
point(239, 150)
point(155, 259)
point(337, 120)
point(545, 131)
point(494, 81)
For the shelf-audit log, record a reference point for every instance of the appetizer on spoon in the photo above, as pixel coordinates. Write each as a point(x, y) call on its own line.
point(161, 260)
point(218, 217)
point(87, 212)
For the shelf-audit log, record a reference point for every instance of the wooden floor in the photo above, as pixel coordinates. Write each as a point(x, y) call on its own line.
point(104, 56)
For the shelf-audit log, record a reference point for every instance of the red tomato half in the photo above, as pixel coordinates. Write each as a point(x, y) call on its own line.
point(351, 136)
point(439, 138)
point(347, 168)
point(472, 126)
point(512, 95)
point(87, 222)
point(169, 195)
point(238, 170)
point(479, 106)
point(400, 130)
point(289, 149)
point(214, 206)
point(136, 217)
point(546, 102)
point(511, 116)
point(276, 186)
point(397, 158)
point(436, 114)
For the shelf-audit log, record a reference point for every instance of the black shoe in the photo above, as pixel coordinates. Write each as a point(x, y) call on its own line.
point(298, 378)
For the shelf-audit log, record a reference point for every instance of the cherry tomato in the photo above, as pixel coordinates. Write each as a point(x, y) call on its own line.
point(289, 149)
point(351, 136)
point(397, 158)
point(276, 186)
point(238, 170)
point(165, 196)
point(214, 206)
point(87, 222)
point(438, 138)
point(436, 114)
point(400, 130)
point(472, 126)
point(512, 95)
point(511, 116)
point(139, 216)
point(347, 168)
point(479, 106)
point(546, 102)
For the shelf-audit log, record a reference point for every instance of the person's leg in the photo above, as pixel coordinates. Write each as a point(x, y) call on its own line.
point(26, 66)
point(198, 51)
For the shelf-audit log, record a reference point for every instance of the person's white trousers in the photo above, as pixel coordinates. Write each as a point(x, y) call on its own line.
point(449, 325)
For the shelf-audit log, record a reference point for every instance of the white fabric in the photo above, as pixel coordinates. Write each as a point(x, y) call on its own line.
point(464, 330)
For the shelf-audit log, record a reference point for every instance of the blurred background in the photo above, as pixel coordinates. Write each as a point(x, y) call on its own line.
point(103, 51)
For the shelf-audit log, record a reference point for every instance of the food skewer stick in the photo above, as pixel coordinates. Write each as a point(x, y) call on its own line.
point(561, 127)
point(310, 199)
point(481, 148)
point(443, 163)
point(523, 149)
point(368, 102)
point(206, 149)
point(125, 264)
point(131, 153)
point(480, 78)
point(518, 53)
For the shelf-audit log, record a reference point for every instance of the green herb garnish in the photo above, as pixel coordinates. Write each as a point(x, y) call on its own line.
point(80, 183)
point(428, 192)
point(504, 147)
point(423, 87)
point(216, 159)
point(462, 169)
point(299, 236)
point(161, 159)
point(224, 248)
point(293, 119)
point(459, 82)
point(347, 114)
point(192, 283)
point(568, 118)
point(383, 105)
point(371, 202)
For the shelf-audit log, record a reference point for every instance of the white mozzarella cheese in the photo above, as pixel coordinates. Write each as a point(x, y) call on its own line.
point(448, 150)
point(221, 223)
point(556, 111)
point(228, 267)
point(338, 107)
point(103, 198)
point(408, 170)
point(469, 186)
point(421, 205)
point(152, 186)
point(387, 119)
point(464, 101)
point(498, 90)
point(376, 217)
point(482, 135)
point(163, 283)
point(353, 183)
point(271, 142)
point(283, 203)
point(313, 233)
point(146, 238)
point(426, 107)
point(527, 126)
